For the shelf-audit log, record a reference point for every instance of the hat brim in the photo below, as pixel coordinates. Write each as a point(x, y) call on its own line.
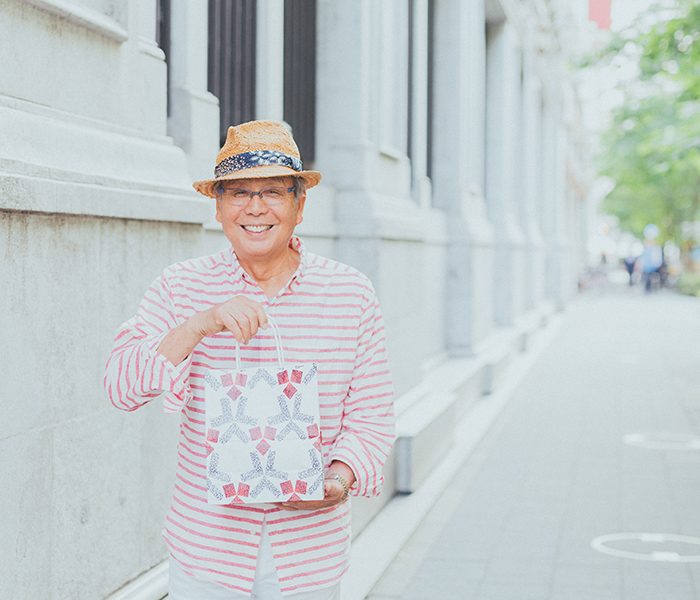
point(206, 186)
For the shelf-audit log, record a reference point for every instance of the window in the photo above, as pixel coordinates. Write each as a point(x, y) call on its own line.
point(300, 74)
point(231, 75)
point(163, 37)
point(431, 87)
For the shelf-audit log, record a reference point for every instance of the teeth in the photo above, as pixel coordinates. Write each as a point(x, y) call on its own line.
point(257, 228)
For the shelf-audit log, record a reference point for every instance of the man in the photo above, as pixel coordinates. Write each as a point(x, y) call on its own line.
point(326, 312)
point(652, 259)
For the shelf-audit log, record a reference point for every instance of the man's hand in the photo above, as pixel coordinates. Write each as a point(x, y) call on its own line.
point(242, 317)
point(333, 493)
point(333, 490)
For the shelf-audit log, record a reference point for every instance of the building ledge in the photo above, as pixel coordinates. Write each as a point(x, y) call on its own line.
point(85, 17)
point(51, 191)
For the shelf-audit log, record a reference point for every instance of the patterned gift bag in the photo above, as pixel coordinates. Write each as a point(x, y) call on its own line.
point(263, 433)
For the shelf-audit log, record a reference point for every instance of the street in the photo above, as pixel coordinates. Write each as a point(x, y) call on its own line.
point(601, 438)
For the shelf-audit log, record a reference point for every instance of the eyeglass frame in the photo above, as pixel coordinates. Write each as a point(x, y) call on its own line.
point(220, 189)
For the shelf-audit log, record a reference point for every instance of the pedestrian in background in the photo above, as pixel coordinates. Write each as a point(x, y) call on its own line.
point(327, 313)
point(651, 261)
point(630, 263)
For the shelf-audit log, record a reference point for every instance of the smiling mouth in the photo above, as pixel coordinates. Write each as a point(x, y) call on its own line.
point(256, 228)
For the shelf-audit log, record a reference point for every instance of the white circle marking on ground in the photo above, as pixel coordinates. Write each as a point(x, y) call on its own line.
point(663, 441)
point(601, 544)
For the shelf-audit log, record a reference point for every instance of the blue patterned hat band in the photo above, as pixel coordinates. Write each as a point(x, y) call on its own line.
point(257, 158)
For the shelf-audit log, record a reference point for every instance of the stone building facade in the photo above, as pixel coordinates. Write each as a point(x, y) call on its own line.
point(447, 135)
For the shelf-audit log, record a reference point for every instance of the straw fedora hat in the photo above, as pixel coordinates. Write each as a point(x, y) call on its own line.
point(257, 149)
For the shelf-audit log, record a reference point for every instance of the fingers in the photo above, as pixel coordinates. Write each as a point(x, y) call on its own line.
point(333, 495)
point(306, 505)
point(245, 325)
point(242, 317)
point(262, 315)
point(332, 490)
point(231, 324)
point(256, 315)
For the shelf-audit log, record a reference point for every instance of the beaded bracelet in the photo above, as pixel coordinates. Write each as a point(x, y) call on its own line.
point(342, 481)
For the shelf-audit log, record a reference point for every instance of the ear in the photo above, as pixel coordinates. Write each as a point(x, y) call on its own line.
point(300, 208)
point(219, 218)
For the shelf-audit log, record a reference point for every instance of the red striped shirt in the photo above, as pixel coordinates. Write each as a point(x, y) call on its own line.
point(328, 313)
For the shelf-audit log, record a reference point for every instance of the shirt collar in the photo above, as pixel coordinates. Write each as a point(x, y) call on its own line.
point(298, 245)
point(295, 243)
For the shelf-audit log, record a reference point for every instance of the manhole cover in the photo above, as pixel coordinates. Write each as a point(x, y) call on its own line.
point(663, 441)
point(658, 547)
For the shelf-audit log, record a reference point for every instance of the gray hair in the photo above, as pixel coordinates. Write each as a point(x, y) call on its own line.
point(299, 185)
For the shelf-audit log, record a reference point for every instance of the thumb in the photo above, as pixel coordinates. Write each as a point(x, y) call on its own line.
point(327, 488)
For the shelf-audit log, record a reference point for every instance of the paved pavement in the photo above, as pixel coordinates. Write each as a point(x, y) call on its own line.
point(555, 471)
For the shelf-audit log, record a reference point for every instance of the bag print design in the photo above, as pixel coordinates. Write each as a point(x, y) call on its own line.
point(263, 433)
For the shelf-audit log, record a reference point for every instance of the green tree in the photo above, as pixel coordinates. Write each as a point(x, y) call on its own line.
point(652, 148)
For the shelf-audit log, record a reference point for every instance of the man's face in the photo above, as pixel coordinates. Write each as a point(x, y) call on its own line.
point(259, 228)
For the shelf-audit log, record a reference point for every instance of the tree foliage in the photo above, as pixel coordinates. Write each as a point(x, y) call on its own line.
point(652, 148)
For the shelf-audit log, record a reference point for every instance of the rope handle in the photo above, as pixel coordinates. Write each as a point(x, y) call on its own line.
point(278, 345)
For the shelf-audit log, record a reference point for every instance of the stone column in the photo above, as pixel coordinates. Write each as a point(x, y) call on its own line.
point(502, 134)
point(371, 182)
point(458, 170)
point(554, 197)
point(193, 122)
point(147, 92)
point(344, 152)
point(421, 184)
point(531, 180)
point(269, 63)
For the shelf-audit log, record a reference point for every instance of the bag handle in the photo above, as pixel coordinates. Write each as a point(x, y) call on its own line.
point(278, 345)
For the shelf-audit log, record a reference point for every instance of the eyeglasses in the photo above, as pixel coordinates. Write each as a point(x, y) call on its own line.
point(274, 196)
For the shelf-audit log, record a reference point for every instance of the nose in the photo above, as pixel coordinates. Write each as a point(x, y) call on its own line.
point(255, 205)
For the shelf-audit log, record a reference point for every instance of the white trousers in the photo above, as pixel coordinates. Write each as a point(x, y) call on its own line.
point(265, 587)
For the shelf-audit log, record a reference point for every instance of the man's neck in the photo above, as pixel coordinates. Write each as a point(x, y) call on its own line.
point(272, 274)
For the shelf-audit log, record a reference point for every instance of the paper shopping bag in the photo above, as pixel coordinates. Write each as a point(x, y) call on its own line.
point(263, 433)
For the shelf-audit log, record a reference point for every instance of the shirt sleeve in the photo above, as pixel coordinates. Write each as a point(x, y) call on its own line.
point(368, 426)
point(135, 373)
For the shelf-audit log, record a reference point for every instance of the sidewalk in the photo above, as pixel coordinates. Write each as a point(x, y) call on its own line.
point(555, 471)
